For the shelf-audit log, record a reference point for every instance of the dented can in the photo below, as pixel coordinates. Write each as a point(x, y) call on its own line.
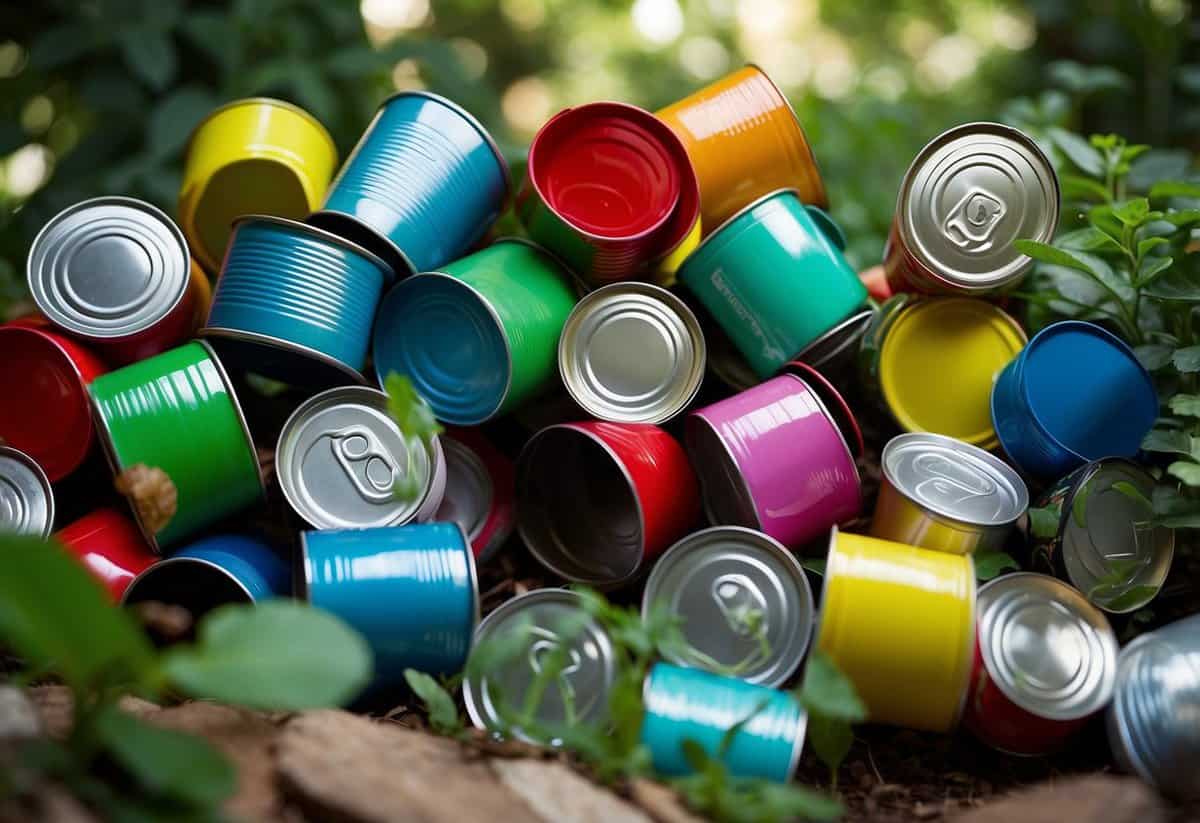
point(110, 545)
point(26, 497)
point(480, 495)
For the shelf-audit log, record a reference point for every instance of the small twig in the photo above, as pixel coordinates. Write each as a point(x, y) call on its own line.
point(871, 760)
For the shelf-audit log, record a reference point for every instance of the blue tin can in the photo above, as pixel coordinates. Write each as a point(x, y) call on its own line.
point(690, 704)
point(1074, 394)
point(410, 590)
point(295, 303)
point(424, 183)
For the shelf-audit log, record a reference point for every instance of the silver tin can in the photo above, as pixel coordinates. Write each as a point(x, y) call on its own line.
point(546, 619)
point(479, 492)
point(339, 456)
point(26, 497)
point(943, 494)
point(632, 353)
point(746, 605)
point(1154, 720)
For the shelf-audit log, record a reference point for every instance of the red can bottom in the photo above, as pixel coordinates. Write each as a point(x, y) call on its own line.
point(110, 546)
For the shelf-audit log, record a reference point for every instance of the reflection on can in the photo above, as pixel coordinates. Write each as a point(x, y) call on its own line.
point(110, 546)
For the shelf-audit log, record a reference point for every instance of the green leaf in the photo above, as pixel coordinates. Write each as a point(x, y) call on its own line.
point(816, 565)
point(1151, 268)
point(786, 802)
point(1077, 150)
point(1089, 238)
point(1079, 505)
point(1156, 165)
point(1133, 493)
point(1133, 212)
point(214, 33)
point(357, 62)
point(989, 564)
point(60, 45)
point(1075, 187)
point(1186, 471)
point(1182, 217)
point(1174, 188)
point(831, 739)
point(1150, 243)
point(1154, 355)
point(443, 712)
point(1045, 522)
point(1125, 600)
point(1184, 520)
point(1168, 441)
point(150, 55)
point(695, 755)
point(1186, 360)
point(175, 117)
point(1186, 404)
point(410, 411)
point(1050, 254)
point(278, 655)
point(1176, 284)
point(825, 690)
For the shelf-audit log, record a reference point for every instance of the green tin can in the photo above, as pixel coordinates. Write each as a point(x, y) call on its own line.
point(178, 412)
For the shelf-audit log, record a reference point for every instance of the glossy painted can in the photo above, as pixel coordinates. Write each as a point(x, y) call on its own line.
point(295, 303)
point(773, 459)
point(664, 270)
point(597, 502)
point(835, 404)
point(410, 590)
point(691, 704)
point(899, 621)
point(424, 183)
point(252, 156)
point(178, 412)
point(744, 140)
point(774, 278)
point(111, 546)
point(46, 413)
point(479, 337)
point(480, 491)
point(26, 496)
point(1053, 416)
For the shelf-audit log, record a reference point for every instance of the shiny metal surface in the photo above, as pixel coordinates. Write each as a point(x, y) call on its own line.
point(839, 344)
point(26, 497)
point(469, 492)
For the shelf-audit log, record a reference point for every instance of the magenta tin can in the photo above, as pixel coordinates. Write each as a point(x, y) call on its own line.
point(772, 458)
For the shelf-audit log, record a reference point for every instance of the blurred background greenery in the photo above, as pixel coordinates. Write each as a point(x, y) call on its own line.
point(99, 96)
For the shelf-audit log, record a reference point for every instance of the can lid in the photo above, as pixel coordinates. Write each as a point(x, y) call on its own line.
point(545, 619)
point(632, 353)
point(109, 267)
point(739, 592)
point(469, 491)
point(26, 497)
point(1045, 646)
point(968, 195)
point(954, 479)
point(339, 456)
point(838, 342)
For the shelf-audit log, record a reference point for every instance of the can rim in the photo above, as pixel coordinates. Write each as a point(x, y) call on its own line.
point(742, 485)
point(971, 638)
point(388, 273)
point(159, 565)
point(279, 344)
point(473, 577)
point(40, 475)
point(823, 202)
point(237, 409)
point(465, 455)
point(829, 418)
point(263, 100)
point(857, 323)
point(728, 221)
point(301, 580)
point(808, 371)
point(400, 266)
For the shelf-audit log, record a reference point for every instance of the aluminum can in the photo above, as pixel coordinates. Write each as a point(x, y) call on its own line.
point(110, 546)
point(295, 303)
point(943, 494)
point(1045, 663)
point(480, 336)
point(480, 494)
point(116, 273)
point(899, 621)
point(843, 416)
point(773, 459)
point(424, 183)
point(738, 592)
point(744, 140)
point(1106, 544)
point(338, 459)
point(632, 353)
point(598, 502)
point(774, 278)
point(252, 156)
point(410, 590)
point(26, 497)
point(1053, 416)
point(967, 196)
point(547, 620)
point(1152, 725)
point(691, 704)
point(178, 412)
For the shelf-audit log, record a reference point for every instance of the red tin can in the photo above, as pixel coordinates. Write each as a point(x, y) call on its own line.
point(111, 546)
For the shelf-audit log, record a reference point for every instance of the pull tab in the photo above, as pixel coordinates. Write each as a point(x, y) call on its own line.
point(949, 482)
point(357, 446)
point(547, 643)
point(828, 226)
point(737, 598)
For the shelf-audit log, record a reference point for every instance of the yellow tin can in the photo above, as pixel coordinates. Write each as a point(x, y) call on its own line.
point(251, 156)
point(201, 287)
point(664, 269)
point(900, 622)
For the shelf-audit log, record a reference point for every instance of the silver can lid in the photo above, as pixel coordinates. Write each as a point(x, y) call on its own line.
point(339, 456)
point(839, 343)
point(954, 479)
point(745, 603)
point(968, 195)
point(543, 620)
point(26, 497)
point(632, 353)
point(469, 493)
point(109, 267)
point(1045, 646)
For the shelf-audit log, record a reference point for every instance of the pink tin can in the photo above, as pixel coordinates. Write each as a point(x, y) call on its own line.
point(772, 458)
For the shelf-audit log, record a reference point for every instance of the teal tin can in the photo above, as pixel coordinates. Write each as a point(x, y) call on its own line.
point(690, 704)
point(775, 279)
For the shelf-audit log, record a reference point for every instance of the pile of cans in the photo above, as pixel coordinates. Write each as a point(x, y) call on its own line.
point(683, 345)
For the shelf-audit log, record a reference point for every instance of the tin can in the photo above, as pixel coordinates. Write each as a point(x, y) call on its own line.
point(632, 353)
point(774, 278)
point(1151, 722)
point(410, 590)
point(967, 196)
point(479, 337)
point(744, 140)
point(597, 502)
point(839, 410)
point(178, 412)
point(1052, 416)
point(1045, 663)
point(46, 412)
point(690, 704)
point(773, 459)
point(746, 606)
point(899, 621)
point(1106, 544)
point(295, 303)
point(26, 497)
point(551, 622)
point(833, 353)
point(115, 272)
point(424, 183)
point(664, 270)
point(252, 156)
point(110, 546)
point(943, 494)
point(480, 493)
